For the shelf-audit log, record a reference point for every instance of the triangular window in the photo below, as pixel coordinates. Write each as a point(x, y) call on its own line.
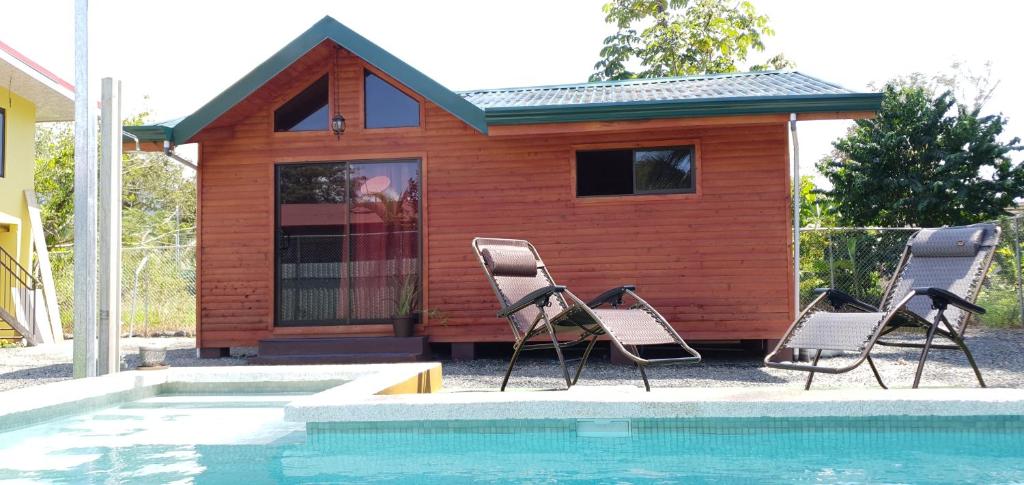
point(307, 111)
point(387, 106)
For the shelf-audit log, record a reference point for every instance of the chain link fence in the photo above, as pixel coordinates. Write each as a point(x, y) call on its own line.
point(860, 260)
point(158, 289)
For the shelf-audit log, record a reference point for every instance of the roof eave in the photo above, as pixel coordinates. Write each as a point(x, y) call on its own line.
point(150, 133)
point(52, 96)
point(852, 102)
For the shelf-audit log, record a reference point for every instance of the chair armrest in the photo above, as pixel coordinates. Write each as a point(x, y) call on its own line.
point(941, 298)
point(613, 296)
point(539, 296)
point(838, 299)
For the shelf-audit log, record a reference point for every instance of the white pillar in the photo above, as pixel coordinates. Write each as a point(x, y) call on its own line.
point(109, 358)
point(85, 203)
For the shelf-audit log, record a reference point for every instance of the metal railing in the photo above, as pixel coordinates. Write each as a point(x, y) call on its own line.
point(860, 260)
point(18, 294)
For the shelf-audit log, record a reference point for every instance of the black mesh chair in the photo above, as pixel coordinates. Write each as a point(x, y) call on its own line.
point(535, 305)
point(933, 289)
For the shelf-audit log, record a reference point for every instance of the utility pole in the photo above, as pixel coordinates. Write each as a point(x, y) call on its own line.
point(796, 213)
point(85, 203)
point(109, 358)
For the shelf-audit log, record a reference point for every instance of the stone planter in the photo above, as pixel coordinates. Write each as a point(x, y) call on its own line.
point(152, 356)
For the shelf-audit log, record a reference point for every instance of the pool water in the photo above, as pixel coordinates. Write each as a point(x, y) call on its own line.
point(243, 439)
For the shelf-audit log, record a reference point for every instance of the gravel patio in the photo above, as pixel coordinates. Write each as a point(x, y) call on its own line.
point(1000, 355)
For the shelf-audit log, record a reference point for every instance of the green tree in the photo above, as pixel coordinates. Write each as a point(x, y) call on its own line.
point(159, 195)
point(55, 180)
point(815, 208)
point(681, 37)
point(925, 160)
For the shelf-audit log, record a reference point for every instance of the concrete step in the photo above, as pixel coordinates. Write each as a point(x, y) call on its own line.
point(342, 350)
point(338, 358)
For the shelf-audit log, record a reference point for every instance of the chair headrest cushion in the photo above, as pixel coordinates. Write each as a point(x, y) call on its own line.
point(947, 242)
point(510, 261)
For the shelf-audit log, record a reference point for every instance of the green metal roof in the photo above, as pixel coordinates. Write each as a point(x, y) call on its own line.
point(158, 132)
point(691, 96)
point(705, 95)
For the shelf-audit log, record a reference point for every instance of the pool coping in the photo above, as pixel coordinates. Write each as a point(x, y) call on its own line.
point(408, 393)
point(625, 402)
point(35, 404)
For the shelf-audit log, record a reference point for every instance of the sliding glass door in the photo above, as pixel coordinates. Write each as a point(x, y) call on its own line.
point(348, 242)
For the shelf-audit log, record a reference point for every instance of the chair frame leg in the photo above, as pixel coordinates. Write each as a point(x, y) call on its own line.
point(558, 350)
point(810, 375)
point(643, 375)
point(874, 370)
point(934, 327)
point(970, 359)
point(583, 361)
point(511, 364)
point(640, 367)
point(517, 348)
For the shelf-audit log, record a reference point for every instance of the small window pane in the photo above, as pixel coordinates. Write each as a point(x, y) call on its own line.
point(307, 111)
point(664, 170)
point(387, 106)
point(604, 172)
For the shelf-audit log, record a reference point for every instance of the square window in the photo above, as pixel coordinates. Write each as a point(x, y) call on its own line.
point(604, 172)
point(667, 170)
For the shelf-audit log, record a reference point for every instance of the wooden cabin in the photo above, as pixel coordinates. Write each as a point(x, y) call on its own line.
point(339, 188)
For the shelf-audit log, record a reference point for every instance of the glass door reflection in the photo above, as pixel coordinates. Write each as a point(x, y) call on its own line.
point(348, 242)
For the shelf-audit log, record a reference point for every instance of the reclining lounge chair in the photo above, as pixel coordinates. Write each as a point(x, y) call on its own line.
point(534, 305)
point(933, 289)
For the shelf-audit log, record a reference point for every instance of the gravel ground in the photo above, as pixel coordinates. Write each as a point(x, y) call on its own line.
point(27, 366)
point(1000, 354)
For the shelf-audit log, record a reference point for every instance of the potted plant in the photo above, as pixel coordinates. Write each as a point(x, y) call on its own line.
point(405, 314)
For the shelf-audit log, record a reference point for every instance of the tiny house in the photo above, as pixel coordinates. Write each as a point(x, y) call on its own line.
point(339, 190)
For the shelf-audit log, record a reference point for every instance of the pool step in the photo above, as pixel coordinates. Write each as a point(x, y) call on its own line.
point(342, 350)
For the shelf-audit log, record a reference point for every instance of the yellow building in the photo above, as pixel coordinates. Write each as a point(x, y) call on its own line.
point(28, 94)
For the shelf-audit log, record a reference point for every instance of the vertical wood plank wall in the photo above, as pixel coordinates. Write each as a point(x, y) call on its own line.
point(715, 263)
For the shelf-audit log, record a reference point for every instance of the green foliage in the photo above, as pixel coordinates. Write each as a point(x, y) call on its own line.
point(55, 180)
point(158, 203)
point(777, 62)
point(815, 208)
point(681, 37)
point(1001, 304)
point(159, 195)
point(923, 161)
point(407, 302)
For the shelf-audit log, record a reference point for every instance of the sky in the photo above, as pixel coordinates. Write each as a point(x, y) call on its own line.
point(173, 57)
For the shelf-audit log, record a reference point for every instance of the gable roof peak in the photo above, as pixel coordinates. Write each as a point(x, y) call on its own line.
point(328, 28)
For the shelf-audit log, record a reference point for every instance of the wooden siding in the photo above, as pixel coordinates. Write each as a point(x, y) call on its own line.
point(716, 263)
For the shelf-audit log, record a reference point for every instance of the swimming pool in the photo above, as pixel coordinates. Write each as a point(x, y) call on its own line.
point(181, 438)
